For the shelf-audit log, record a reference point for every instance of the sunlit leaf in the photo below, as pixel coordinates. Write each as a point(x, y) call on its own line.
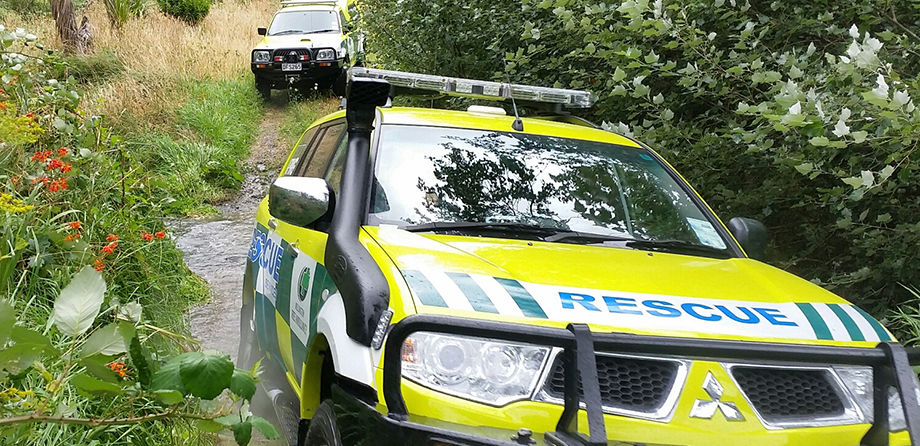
point(106, 341)
point(79, 302)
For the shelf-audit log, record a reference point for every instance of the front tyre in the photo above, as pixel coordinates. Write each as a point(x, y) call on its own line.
point(323, 430)
point(264, 89)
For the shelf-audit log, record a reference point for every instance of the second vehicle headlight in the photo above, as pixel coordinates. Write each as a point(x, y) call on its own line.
point(261, 56)
point(859, 381)
point(328, 54)
point(494, 373)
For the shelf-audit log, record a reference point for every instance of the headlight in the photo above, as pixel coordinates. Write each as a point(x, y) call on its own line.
point(859, 382)
point(261, 56)
point(325, 54)
point(494, 373)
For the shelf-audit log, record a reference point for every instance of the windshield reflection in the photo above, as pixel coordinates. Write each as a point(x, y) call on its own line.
point(427, 174)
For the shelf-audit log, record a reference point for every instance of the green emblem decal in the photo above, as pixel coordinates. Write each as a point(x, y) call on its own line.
point(304, 283)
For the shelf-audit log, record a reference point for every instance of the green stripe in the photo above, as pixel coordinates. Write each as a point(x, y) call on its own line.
point(852, 328)
point(817, 324)
point(879, 330)
point(522, 298)
point(477, 297)
point(423, 289)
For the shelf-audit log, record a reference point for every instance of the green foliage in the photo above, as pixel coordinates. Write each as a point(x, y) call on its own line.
point(190, 11)
point(25, 8)
point(89, 272)
point(797, 113)
point(90, 68)
point(120, 11)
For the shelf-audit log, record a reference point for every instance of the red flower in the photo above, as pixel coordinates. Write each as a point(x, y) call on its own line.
point(54, 186)
point(98, 264)
point(160, 234)
point(69, 238)
point(15, 179)
point(54, 164)
point(111, 238)
point(146, 236)
point(30, 115)
point(63, 183)
point(62, 151)
point(110, 248)
point(66, 168)
point(3, 105)
point(75, 224)
point(41, 156)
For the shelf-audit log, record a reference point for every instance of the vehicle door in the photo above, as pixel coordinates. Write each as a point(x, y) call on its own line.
point(303, 284)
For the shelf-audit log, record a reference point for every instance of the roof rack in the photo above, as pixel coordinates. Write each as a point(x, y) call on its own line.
point(552, 99)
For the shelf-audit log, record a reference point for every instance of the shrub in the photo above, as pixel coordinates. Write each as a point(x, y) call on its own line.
point(120, 11)
point(190, 11)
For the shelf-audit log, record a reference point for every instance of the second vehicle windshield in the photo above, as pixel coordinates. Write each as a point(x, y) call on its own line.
point(435, 174)
point(304, 22)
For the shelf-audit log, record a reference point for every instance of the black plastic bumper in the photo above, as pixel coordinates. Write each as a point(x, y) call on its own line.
point(363, 424)
point(311, 72)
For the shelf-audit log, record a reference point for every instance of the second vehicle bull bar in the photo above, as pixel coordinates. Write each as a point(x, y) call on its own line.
point(890, 362)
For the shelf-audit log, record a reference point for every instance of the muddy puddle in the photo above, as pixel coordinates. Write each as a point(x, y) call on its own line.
point(215, 249)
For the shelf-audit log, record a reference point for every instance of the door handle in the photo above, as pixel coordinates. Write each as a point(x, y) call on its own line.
point(272, 223)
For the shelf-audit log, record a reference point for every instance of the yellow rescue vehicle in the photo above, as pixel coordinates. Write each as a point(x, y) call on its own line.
point(433, 277)
point(308, 44)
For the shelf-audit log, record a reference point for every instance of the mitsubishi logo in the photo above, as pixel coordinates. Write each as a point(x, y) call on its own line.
point(706, 409)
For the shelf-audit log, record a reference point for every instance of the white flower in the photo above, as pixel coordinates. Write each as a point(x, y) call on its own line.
point(882, 90)
point(845, 114)
point(854, 31)
point(841, 129)
point(872, 44)
point(900, 98)
point(853, 50)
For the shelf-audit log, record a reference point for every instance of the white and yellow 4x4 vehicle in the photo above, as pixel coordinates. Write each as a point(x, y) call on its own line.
point(309, 43)
point(433, 277)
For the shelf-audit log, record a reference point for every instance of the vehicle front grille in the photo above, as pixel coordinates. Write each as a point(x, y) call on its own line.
point(634, 384)
point(780, 394)
point(286, 55)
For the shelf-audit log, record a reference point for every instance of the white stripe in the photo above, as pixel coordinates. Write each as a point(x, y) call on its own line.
point(861, 322)
point(448, 290)
point(503, 302)
point(838, 330)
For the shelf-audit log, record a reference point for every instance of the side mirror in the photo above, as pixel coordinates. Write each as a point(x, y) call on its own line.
point(751, 234)
point(299, 201)
point(261, 30)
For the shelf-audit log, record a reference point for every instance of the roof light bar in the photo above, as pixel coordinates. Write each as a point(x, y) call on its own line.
point(308, 2)
point(478, 89)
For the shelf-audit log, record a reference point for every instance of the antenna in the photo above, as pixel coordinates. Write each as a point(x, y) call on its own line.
point(517, 124)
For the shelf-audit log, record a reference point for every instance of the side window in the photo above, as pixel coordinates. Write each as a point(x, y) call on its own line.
point(334, 174)
point(322, 150)
point(300, 150)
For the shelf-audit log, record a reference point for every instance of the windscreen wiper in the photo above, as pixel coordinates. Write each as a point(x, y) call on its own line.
point(323, 31)
point(679, 247)
point(508, 227)
point(544, 233)
point(289, 31)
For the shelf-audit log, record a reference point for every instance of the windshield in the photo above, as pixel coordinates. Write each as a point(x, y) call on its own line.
point(433, 174)
point(304, 22)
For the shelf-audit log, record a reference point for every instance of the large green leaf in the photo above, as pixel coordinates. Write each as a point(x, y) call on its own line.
point(242, 433)
point(140, 358)
point(167, 378)
point(95, 387)
point(97, 366)
point(7, 319)
point(242, 384)
point(262, 425)
point(206, 376)
point(25, 336)
point(15, 359)
point(79, 302)
point(105, 341)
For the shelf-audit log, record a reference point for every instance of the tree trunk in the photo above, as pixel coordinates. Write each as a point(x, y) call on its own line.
point(73, 39)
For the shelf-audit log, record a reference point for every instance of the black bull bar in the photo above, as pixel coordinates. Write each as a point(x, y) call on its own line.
point(890, 361)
